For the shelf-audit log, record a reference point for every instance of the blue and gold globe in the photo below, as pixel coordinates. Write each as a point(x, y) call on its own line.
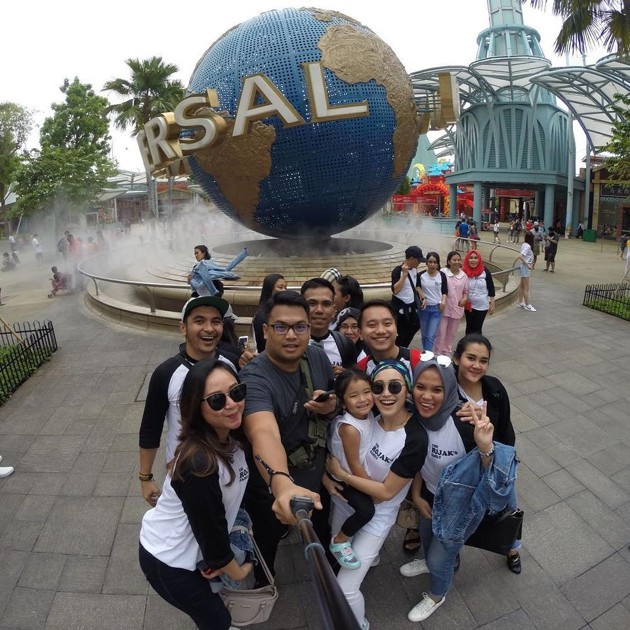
point(321, 123)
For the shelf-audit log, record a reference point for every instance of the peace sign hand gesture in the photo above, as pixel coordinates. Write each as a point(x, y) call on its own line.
point(484, 429)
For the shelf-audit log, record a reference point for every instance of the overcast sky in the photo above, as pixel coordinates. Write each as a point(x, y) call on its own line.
point(45, 41)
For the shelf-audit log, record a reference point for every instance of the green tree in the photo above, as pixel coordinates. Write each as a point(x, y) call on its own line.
point(588, 23)
point(405, 186)
point(150, 92)
point(16, 123)
point(70, 170)
point(619, 164)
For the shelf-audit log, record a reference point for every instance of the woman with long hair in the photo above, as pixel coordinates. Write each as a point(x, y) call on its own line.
point(272, 283)
point(432, 287)
point(184, 539)
point(527, 262)
point(472, 360)
point(480, 292)
point(348, 293)
point(455, 302)
point(394, 454)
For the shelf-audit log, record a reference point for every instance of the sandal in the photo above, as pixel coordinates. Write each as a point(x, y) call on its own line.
point(411, 541)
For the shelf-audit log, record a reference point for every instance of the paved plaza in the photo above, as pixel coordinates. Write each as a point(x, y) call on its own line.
point(70, 514)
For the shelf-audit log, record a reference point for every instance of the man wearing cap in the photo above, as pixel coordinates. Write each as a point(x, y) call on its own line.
point(319, 293)
point(405, 300)
point(202, 327)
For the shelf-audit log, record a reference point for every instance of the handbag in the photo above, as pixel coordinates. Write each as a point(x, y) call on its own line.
point(407, 515)
point(254, 605)
point(497, 532)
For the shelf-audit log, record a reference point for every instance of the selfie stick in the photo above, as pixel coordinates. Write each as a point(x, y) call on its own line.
point(335, 610)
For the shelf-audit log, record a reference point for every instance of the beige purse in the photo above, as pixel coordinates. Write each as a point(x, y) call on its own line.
point(407, 515)
point(254, 605)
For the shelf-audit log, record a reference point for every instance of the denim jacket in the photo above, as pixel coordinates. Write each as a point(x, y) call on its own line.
point(466, 492)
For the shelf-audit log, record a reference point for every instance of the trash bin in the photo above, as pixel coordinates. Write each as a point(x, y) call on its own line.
point(589, 236)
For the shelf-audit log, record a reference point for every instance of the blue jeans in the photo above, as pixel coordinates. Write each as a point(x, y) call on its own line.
point(187, 590)
point(430, 317)
point(440, 559)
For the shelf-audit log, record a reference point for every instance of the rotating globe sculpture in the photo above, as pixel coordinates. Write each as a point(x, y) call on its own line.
point(321, 123)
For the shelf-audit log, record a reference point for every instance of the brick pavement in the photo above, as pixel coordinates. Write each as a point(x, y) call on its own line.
point(70, 514)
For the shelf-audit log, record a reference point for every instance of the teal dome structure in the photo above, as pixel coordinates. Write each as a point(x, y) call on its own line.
point(511, 134)
point(331, 124)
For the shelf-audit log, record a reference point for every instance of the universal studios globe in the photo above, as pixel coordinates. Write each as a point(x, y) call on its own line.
point(321, 122)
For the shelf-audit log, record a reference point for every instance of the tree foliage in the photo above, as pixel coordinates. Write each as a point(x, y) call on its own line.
point(405, 186)
point(71, 168)
point(148, 93)
point(619, 164)
point(589, 23)
point(16, 123)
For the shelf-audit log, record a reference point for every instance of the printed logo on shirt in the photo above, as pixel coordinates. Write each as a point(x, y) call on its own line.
point(438, 453)
point(243, 474)
point(376, 453)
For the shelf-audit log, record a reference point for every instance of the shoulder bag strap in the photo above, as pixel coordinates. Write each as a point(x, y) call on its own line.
point(263, 564)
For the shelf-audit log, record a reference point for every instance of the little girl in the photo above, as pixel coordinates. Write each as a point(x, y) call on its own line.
point(348, 442)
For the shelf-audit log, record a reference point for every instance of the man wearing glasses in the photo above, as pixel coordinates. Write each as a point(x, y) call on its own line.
point(202, 327)
point(320, 296)
point(284, 424)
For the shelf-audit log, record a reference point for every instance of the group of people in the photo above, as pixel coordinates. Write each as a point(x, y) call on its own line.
point(330, 405)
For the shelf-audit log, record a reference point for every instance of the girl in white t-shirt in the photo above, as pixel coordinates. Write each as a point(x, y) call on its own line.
point(349, 440)
point(396, 452)
point(527, 261)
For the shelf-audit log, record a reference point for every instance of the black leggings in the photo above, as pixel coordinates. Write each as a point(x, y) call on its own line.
point(363, 506)
point(474, 321)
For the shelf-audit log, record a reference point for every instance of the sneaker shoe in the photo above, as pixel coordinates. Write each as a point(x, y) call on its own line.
point(529, 307)
point(365, 625)
point(376, 561)
point(413, 568)
point(521, 305)
point(5, 471)
point(514, 563)
point(424, 609)
point(344, 555)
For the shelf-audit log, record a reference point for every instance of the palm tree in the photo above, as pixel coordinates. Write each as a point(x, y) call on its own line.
point(148, 93)
point(590, 23)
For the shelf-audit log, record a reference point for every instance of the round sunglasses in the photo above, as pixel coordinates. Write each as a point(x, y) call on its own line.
point(394, 387)
point(217, 401)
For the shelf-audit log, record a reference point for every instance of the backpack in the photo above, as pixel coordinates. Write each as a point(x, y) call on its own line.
point(346, 349)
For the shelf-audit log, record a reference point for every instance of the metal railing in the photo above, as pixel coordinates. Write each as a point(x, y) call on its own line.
point(613, 299)
point(23, 349)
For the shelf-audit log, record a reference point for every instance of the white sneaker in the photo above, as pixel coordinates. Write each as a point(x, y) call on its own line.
point(521, 305)
point(376, 561)
point(529, 307)
point(413, 568)
point(425, 608)
point(365, 625)
point(5, 471)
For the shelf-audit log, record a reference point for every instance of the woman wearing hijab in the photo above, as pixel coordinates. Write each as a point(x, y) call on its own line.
point(396, 449)
point(480, 292)
point(436, 398)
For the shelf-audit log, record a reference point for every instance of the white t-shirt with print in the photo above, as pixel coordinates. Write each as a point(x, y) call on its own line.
point(445, 446)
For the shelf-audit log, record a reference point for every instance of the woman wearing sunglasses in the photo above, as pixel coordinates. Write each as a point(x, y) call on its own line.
point(396, 451)
point(184, 539)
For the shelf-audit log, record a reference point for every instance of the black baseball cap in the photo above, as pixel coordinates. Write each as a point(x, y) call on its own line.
point(205, 300)
point(414, 252)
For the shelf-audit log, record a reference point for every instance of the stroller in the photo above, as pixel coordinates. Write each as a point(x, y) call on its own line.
point(61, 282)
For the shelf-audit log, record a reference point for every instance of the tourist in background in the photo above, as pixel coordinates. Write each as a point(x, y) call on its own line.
point(348, 325)
point(455, 302)
point(433, 290)
point(526, 258)
point(551, 249)
point(480, 292)
point(272, 283)
point(405, 298)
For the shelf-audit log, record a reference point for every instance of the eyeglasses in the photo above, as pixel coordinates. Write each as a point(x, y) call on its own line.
point(394, 387)
point(218, 400)
point(441, 359)
point(280, 328)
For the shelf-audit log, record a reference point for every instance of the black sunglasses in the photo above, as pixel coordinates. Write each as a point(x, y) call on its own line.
point(217, 401)
point(394, 387)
